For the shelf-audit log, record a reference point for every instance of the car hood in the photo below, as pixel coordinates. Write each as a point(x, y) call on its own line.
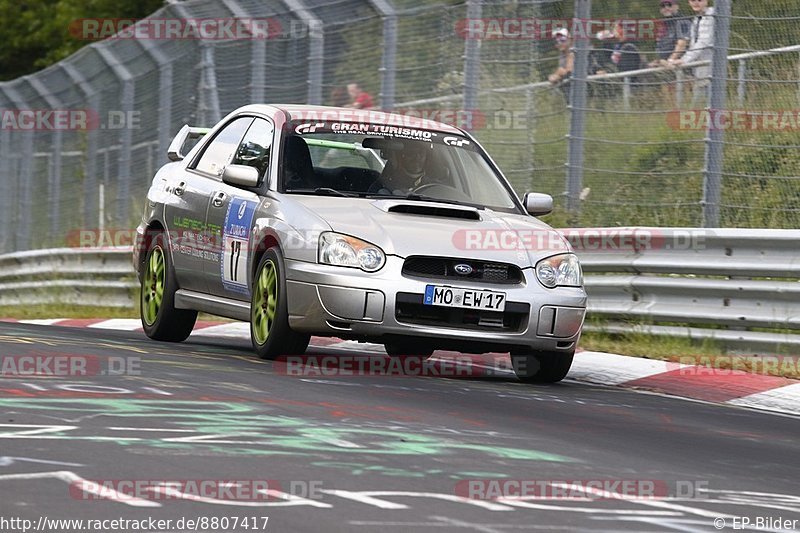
point(404, 228)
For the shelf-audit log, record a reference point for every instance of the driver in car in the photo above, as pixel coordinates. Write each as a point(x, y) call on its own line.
point(404, 170)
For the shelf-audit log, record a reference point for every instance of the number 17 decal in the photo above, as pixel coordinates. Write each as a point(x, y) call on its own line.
point(236, 239)
point(236, 252)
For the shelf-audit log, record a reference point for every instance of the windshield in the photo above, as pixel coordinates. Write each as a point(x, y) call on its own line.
point(376, 161)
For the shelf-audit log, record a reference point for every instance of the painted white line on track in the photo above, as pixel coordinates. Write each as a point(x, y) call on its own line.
point(125, 324)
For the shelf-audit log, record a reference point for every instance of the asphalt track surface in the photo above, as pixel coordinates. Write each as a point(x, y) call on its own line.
point(371, 453)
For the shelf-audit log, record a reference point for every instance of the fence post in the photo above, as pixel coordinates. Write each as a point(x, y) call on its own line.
point(577, 106)
point(122, 197)
point(530, 118)
point(472, 60)
point(626, 93)
point(741, 90)
point(715, 137)
point(389, 59)
point(54, 162)
point(164, 98)
point(679, 83)
point(24, 219)
point(209, 112)
point(7, 192)
point(316, 49)
point(90, 165)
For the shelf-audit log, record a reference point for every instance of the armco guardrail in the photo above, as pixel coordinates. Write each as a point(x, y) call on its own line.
point(75, 276)
point(719, 284)
point(737, 286)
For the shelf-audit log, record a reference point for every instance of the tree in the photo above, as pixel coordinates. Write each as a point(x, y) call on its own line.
point(36, 33)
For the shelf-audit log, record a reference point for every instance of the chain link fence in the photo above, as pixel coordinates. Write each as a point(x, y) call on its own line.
point(703, 145)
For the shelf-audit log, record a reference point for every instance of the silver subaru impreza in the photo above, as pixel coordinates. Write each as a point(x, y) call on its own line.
point(362, 225)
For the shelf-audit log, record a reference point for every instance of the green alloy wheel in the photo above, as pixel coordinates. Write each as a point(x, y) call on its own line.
point(160, 320)
point(153, 286)
point(269, 316)
point(265, 301)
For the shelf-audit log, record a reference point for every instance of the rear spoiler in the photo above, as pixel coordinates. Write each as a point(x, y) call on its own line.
point(175, 151)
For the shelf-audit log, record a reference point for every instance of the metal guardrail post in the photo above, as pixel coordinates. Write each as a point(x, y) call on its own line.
point(122, 197)
point(715, 137)
point(472, 60)
point(389, 59)
point(577, 106)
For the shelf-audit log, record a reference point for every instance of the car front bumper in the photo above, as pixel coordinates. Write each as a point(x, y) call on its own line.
point(347, 302)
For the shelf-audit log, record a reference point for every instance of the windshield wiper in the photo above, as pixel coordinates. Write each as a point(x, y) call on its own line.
point(325, 191)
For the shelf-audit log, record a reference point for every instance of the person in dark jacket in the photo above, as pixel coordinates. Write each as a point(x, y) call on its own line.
point(673, 34)
point(625, 55)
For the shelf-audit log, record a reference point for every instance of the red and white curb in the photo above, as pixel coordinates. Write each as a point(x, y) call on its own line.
point(739, 388)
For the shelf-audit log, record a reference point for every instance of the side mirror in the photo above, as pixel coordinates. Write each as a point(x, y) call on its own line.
point(538, 204)
point(241, 175)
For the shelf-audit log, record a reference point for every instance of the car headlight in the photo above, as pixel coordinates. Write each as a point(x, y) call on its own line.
point(343, 250)
point(563, 270)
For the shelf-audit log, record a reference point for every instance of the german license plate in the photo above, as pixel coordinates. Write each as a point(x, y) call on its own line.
point(468, 298)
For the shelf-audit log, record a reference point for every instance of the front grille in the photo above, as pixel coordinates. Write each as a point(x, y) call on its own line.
point(410, 309)
point(445, 268)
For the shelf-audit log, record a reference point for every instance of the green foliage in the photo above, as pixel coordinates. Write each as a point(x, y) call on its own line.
point(760, 188)
point(35, 33)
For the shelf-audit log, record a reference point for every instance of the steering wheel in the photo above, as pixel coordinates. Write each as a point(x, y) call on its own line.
point(440, 190)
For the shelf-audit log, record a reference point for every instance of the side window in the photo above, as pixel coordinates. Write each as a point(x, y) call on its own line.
point(223, 147)
point(256, 146)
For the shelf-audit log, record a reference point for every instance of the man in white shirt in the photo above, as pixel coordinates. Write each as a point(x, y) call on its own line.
point(701, 46)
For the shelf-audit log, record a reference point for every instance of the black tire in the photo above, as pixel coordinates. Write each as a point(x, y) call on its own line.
point(406, 348)
point(167, 323)
point(541, 367)
point(278, 339)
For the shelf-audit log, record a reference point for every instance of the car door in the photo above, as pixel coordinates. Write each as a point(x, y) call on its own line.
point(185, 213)
point(232, 209)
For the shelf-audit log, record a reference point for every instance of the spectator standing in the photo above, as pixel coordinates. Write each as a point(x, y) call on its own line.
point(673, 35)
point(359, 98)
point(625, 55)
point(566, 57)
point(701, 46)
point(600, 55)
